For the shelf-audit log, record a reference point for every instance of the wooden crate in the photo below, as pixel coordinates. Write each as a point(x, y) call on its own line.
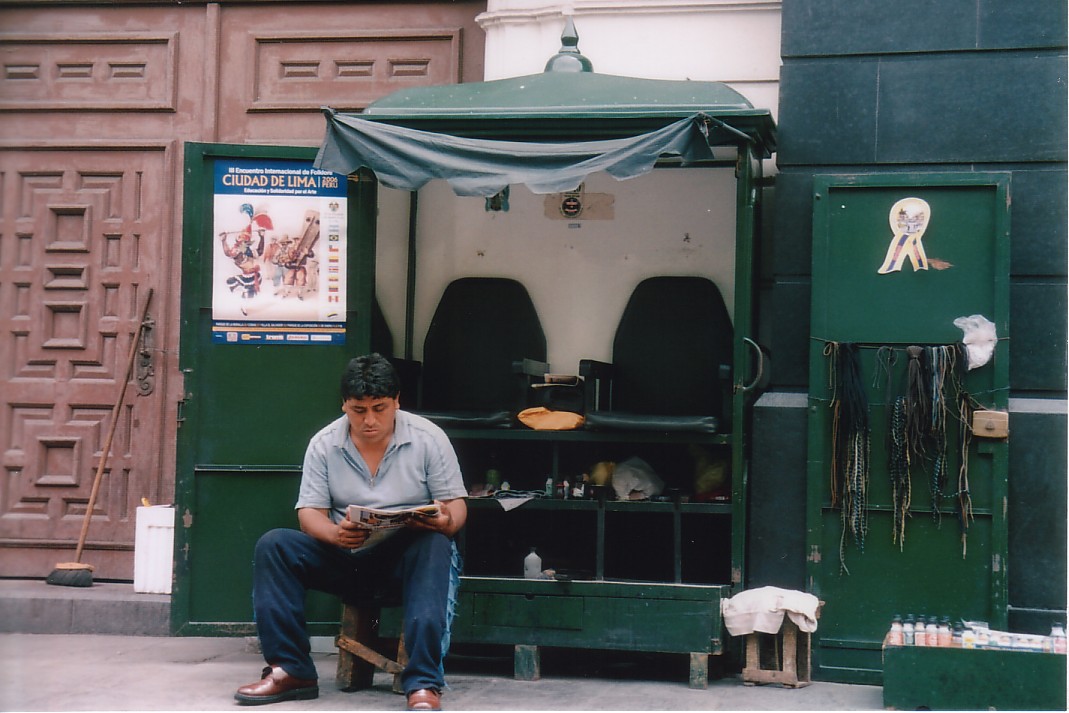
point(781, 658)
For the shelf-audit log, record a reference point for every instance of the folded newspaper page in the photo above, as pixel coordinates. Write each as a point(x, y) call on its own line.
point(384, 523)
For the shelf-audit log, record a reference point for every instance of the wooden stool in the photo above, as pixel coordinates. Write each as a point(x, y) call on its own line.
point(358, 649)
point(781, 658)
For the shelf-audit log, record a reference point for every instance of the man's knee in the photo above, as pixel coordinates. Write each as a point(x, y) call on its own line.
point(275, 538)
point(274, 544)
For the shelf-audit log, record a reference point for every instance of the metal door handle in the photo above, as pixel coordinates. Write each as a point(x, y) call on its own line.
point(760, 366)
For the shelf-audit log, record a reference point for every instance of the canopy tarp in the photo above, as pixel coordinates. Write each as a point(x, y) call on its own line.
point(406, 158)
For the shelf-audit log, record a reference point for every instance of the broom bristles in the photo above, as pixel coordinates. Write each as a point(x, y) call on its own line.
point(71, 574)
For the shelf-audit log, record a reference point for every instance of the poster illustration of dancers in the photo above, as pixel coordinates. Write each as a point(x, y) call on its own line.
point(278, 253)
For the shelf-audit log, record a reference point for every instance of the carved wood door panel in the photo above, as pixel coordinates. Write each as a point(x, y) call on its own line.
point(81, 243)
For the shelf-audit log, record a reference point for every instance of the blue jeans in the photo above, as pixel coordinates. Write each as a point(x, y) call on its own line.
point(418, 564)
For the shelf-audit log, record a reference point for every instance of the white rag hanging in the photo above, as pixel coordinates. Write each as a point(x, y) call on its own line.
point(763, 609)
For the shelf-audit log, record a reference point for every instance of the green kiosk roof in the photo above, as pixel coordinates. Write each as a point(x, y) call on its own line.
point(482, 136)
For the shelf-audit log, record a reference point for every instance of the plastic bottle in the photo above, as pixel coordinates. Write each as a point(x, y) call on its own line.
point(549, 487)
point(920, 637)
point(907, 631)
point(968, 639)
point(532, 565)
point(933, 631)
point(956, 635)
point(894, 637)
point(945, 635)
point(1057, 636)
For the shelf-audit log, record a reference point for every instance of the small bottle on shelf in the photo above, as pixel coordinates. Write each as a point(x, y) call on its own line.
point(532, 565)
point(945, 637)
point(921, 635)
point(1057, 638)
point(907, 631)
point(933, 631)
point(894, 636)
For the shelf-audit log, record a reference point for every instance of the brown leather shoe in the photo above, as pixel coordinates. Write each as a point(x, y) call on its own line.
point(277, 685)
point(425, 699)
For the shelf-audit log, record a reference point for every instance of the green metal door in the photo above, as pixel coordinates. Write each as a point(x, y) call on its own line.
point(250, 404)
point(896, 260)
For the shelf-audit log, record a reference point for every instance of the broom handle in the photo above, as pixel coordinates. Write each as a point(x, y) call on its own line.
point(111, 430)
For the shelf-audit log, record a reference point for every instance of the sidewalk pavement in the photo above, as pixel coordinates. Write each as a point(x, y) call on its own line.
point(93, 672)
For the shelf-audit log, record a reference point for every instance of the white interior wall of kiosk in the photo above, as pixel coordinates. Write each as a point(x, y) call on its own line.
point(669, 222)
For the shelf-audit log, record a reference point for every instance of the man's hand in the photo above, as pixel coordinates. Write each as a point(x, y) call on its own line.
point(451, 517)
point(317, 523)
point(350, 535)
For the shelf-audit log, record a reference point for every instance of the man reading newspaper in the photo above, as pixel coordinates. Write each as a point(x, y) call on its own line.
point(374, 456)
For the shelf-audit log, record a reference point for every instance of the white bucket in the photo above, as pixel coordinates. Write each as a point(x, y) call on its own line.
point(153, 550)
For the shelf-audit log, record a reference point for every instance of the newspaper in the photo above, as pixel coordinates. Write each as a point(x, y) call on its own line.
point(384, 523)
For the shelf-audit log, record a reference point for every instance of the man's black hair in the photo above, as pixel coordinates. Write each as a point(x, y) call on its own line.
point(370, 376)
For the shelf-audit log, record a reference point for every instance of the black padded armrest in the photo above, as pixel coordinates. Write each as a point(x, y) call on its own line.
point(594, 369)
point(530, 367)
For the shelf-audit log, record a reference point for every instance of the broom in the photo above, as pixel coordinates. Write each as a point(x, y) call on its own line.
point(77, 574)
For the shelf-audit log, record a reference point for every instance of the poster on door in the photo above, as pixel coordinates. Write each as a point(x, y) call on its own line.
point(278, 253)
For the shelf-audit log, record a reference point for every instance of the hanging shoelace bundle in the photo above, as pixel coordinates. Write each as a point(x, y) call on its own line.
point(966, 407)
point(941, 361)
point(916, 405)
point(898, 469)
point(851, 444)
point(897, 444)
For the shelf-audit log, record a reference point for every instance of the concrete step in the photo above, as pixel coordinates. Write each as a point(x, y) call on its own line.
point(29, 606)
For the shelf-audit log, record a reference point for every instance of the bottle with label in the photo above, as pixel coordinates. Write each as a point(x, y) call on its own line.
point(907, 631)
point(532, 565)
point(945, 635)
point(894, 637)
point(920, 637)
point(933, 631)
point(549, 487)
point(968, 639)
point(1057, 637)
point(956, 635)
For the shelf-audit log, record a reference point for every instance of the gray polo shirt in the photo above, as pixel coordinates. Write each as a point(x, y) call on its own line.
point(420, 465)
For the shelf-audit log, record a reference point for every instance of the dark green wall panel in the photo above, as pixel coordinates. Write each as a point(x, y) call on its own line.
point(828, 112)
point(975, 108)
point(815, 27)
point(1037, 572)
point(932, 110)
point(792, 251)
point(1039, 221)
point(1012, 23)
point(776, 541)
point(1037, 346)
point(790, 333)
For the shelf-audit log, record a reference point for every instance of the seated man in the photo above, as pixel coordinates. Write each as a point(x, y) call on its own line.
point(378, 456)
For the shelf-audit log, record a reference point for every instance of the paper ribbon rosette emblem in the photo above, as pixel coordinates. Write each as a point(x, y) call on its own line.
point(909, 219)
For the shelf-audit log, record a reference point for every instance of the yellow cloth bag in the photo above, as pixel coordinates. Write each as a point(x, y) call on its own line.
point(542, 419)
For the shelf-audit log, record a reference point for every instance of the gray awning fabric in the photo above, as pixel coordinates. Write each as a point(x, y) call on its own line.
point(406, 158)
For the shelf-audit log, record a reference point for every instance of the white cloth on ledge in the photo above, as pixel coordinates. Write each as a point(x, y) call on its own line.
point(763, 609)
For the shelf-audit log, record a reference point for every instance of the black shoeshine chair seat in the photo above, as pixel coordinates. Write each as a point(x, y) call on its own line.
point(671, 368)
point(484, 338)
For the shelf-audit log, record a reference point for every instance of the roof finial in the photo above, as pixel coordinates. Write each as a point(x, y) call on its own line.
point(568, 57)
